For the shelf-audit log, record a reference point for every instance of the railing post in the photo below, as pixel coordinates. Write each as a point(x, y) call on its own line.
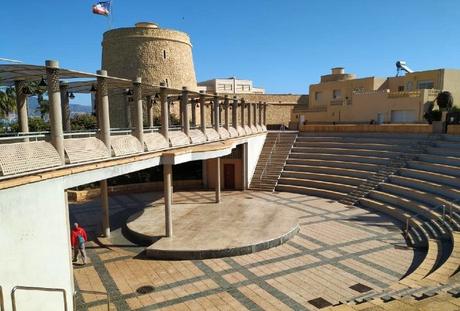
point(203, 112)
point(150, 110)
point(242, 104)
point(235, 113)
point(139, 120)
point(260, 113)
point(54, 98)
point(227, 115)
point(216, 113)
point(184, 104)
point(164, 107)
point(249, 106)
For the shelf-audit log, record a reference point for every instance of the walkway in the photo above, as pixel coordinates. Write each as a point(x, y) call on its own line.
point(338, 253)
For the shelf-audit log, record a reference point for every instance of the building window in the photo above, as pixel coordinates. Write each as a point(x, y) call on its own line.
point(164, 54)
point(425, 84)
point(243, 87)
point(317, 96)
point(409, 86)
point(336, 94)
point(401, 88)
point(224, 87)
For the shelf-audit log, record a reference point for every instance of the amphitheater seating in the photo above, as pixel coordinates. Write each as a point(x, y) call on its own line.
point(413, 178)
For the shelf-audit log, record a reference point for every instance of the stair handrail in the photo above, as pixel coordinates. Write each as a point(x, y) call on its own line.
point(36, 288)
point(285, 160)
point(270, 156)
point(443, 216)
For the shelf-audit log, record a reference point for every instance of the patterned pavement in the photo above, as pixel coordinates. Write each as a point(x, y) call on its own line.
point(339, 253)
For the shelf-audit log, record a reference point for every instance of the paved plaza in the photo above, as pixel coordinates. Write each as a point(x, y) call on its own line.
point(338, 253)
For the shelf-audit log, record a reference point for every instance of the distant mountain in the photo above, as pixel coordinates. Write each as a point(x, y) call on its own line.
point(74, 108)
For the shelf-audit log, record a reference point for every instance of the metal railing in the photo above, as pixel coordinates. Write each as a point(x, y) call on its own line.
point(285, 160)
point(442, 207)
point(269, 160)
point(35, 288)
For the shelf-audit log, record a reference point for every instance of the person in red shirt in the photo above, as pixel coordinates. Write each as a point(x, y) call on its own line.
point(78, 239)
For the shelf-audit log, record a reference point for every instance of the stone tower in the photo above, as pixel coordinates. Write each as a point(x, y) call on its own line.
point(147, 51)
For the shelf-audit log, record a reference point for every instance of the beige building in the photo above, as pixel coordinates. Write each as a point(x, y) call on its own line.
point(343, 98)
point(231, 85)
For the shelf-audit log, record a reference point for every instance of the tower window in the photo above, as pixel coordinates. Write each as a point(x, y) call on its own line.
point(164, 54)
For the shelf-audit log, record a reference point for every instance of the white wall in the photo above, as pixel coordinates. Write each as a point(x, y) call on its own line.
point(35, 244)
point(255, 145)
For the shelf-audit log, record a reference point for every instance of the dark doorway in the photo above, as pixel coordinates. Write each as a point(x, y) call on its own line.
point(229, 176)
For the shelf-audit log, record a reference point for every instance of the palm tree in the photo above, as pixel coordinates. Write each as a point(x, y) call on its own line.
point(43, 104)
point(7, 101)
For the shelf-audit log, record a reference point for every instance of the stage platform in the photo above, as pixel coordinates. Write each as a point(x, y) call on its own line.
point(242, 223)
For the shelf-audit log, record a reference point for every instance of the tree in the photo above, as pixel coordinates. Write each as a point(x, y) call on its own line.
point(432, 115)
point(7, 101)
point(83, 122)
point(445, 100)
point(43, 104)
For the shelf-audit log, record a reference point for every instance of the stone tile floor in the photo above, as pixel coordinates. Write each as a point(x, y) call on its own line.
point(337, 250)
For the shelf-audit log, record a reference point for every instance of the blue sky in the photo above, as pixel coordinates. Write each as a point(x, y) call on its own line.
point(282, 46)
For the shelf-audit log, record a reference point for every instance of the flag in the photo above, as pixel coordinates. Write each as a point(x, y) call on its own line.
point(102, 8)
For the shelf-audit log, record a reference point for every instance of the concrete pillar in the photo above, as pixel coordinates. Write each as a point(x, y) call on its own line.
point(21, 106)
point(217, 181)
point(54, 98)
point(249, 106)
point(242, 104)
point(260, 113)
point(167, 183)
point(193, 110)
point(216, 113)
point(254, 110)
point(227, 113)
point(184, 103)
point(138, 115)
point(203, 112)
point(103, 109)
point(150, 111)
point(164, 108)
point(211, 105)
point(65, 106)
point(235, 113)
point(265, 114)
point(105, 208)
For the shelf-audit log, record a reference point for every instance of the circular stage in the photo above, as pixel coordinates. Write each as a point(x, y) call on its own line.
point(240, 224)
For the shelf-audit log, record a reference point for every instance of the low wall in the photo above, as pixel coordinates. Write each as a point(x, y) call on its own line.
point(365, 128)
point(83, 195)
point(453, 129)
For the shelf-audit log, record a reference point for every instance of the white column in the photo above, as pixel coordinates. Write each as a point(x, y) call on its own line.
point(164, 107)
point(54, 98)
point(21, 106)
point(105, 208)
point(260, 113)
point(167, 183)
point(242, 104)
point(65, 106)
point(138, 121)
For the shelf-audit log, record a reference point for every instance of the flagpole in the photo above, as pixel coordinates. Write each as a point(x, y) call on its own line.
point(110, 15)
